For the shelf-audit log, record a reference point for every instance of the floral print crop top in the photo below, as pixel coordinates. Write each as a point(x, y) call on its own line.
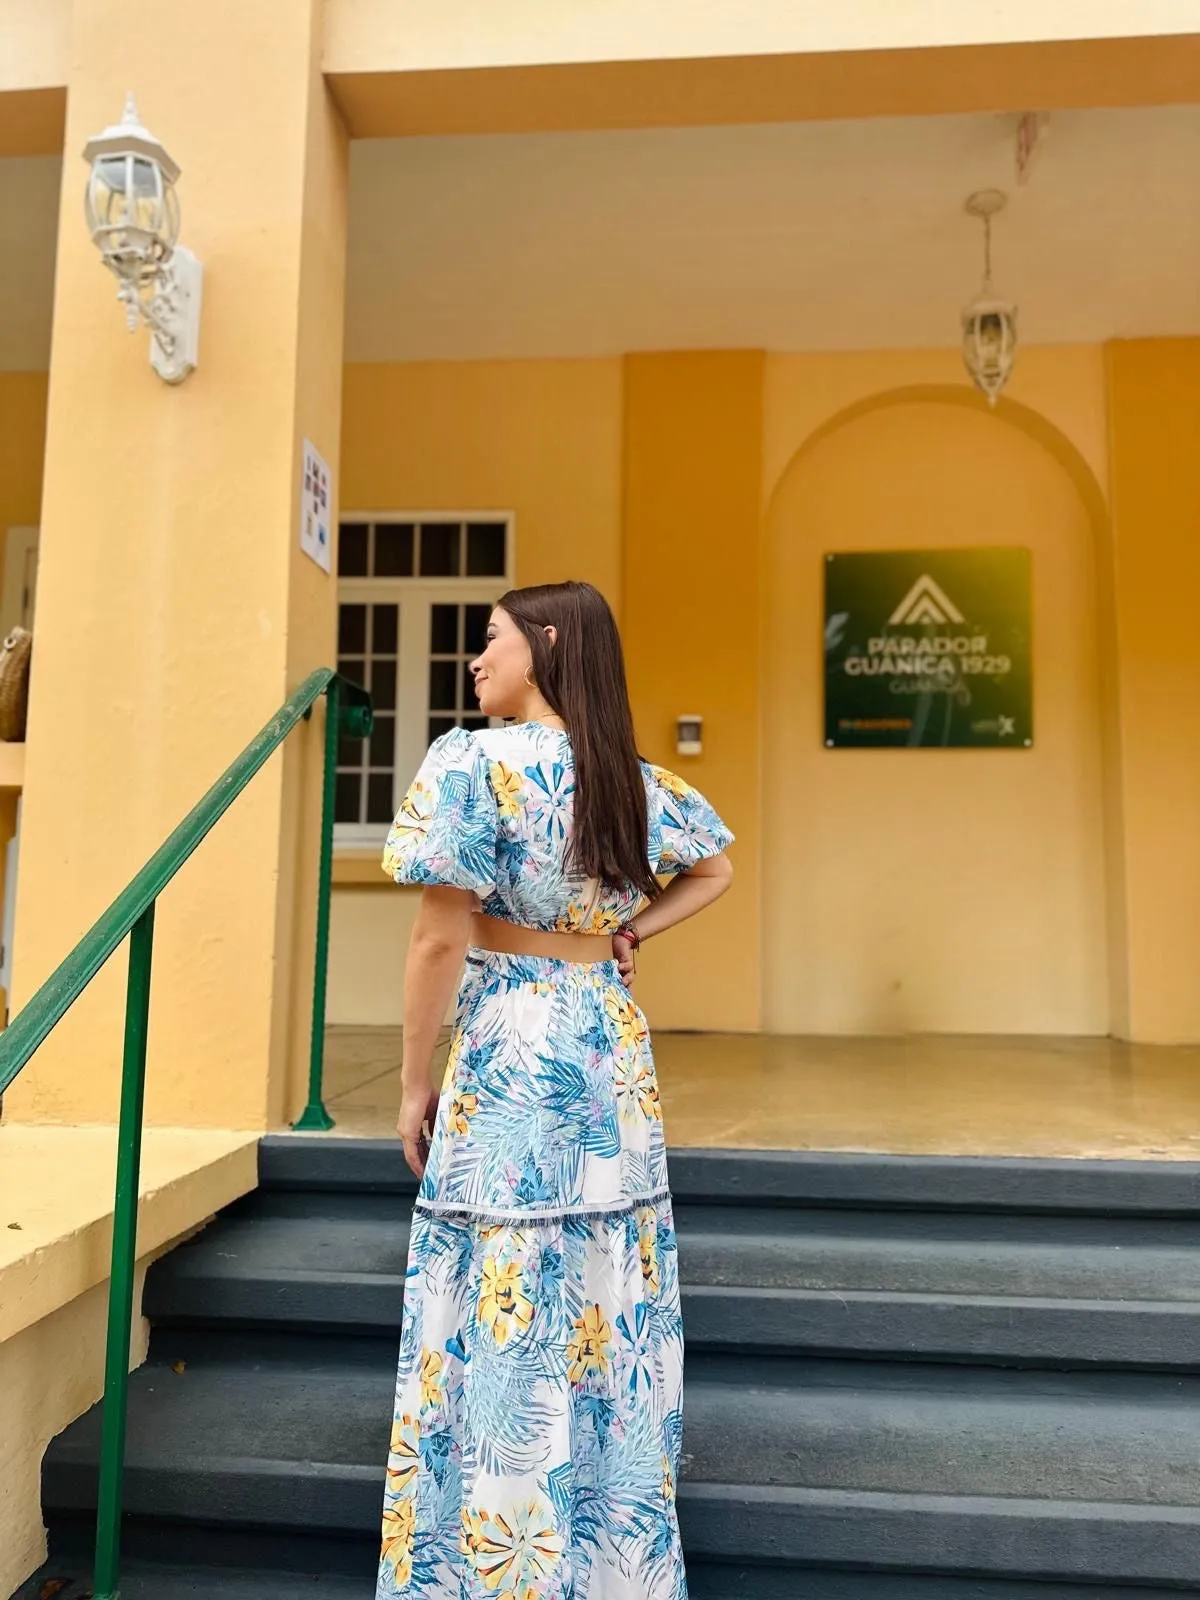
point(492, 812)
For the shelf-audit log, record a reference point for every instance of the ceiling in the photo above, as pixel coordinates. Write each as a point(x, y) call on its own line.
point(798, 236)
point(844, 235)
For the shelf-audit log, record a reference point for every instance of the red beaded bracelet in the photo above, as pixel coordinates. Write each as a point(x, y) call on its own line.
point(628, 931)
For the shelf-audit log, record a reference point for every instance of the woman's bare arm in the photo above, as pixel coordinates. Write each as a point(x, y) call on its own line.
point(685, 895)
point(435, 958)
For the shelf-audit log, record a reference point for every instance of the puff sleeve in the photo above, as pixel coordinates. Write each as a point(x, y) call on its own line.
point(445, 830)
point(684, 828)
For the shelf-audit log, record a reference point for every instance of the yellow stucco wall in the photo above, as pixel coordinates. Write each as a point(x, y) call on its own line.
point(692, 543)
point(545, 440)
point(366, 35)
point(862, 905)
point(371, 36)
point(1154, 410)
point(54, 1251)
point(433, 68)
point(868, 925)
point(22, 448)
point(50, 1374)
point(176, 616)
point(37, 44)
point(934, 891)
point(1062, 383)
point(541, 439)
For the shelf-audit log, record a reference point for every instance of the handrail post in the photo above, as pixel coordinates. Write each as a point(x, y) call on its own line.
point(124, 1259)
point(314, 1117)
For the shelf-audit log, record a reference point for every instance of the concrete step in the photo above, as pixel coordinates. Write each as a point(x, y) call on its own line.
point(797, 1248)
point(1122, 1292)
point(150, 1581)
point(142, 1580)
point(1012, 1473)
point(315, 1164)
point(907, 1379)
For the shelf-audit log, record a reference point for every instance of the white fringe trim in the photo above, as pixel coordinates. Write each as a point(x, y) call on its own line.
point(452, 1211)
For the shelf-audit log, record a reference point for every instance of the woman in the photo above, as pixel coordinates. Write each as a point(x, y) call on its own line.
point(538, 1417)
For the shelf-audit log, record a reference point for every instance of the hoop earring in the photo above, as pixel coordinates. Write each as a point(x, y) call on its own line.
point(530, 683)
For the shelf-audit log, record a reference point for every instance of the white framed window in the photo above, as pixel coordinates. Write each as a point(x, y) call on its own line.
point(415, 590)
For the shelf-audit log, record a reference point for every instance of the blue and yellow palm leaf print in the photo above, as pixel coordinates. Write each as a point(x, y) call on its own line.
point(445, 830)
point(509, 1422)
point(538, 1396)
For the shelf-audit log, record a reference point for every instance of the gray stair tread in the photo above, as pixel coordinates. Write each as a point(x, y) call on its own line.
point(230, 1413)
point(1051, 1257)
point(1056, 1291)
point(1056, 1257)
point(710, 1581)
point(1013, 1452)
point(144, 1581)
point(706, 1581)
point(822, 1424)
point(820, 1177)
point(1064, 1333)
point(250, 1246)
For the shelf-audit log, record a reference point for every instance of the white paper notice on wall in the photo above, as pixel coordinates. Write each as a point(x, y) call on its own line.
point(316, 500)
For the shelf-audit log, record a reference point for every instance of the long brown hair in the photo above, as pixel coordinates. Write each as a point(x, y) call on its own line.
point(582, 678)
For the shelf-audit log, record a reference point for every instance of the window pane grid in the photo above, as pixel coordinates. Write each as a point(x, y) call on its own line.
point(439, 547)
point(452, 701)
point(366, 771)
point(394, 562)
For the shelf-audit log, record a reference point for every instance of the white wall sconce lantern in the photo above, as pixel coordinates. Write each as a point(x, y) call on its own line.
point(989, 323)
point(133, 216)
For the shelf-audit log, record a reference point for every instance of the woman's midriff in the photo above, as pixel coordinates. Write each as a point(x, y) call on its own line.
point(506, 938)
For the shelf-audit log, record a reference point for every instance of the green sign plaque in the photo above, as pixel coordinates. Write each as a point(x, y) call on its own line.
point(928, 649)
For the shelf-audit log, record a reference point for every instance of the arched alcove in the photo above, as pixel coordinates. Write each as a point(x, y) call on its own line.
point(923, 890)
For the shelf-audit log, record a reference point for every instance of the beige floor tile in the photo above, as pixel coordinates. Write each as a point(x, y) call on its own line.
point(926, 1095)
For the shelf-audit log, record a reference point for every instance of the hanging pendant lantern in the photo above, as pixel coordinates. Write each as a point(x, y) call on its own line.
point(989, 323)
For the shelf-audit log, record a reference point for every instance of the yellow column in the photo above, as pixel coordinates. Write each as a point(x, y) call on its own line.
point(690, 620)
point(175, 608)
point(1154, 432)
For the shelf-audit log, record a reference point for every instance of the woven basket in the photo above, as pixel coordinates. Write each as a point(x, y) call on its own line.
point(14, 683)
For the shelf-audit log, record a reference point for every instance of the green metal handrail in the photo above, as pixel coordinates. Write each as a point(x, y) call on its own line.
point(347, 714)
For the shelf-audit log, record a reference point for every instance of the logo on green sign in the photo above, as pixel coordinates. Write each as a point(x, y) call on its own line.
point(925, 602)
point(928, 649)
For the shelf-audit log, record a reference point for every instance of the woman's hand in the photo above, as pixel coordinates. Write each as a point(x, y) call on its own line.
point(418, 1113)
point(623, 956)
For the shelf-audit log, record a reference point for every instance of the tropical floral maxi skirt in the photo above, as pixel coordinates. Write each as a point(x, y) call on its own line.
point(538, 1419)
